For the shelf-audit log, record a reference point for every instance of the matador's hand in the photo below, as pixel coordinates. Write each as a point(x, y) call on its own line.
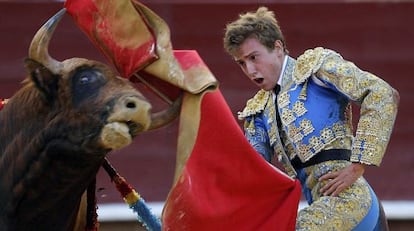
point(340, 180)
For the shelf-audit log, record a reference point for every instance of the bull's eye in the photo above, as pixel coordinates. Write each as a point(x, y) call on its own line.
point(86, 83)
point(85, 79)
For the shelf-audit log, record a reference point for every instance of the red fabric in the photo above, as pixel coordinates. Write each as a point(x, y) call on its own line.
point(102, 22)
point(187, 59)
point(128, 52)
point(1, 104)
point(226, 185)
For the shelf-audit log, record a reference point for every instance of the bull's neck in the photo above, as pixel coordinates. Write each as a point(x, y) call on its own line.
point(44, 172)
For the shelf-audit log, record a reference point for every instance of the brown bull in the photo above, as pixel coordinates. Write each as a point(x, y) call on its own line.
point(55, 132)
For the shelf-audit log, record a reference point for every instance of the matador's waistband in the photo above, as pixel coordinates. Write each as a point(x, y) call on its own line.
point(322, 156)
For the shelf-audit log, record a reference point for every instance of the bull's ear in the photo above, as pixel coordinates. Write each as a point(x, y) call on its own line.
point(43, 78)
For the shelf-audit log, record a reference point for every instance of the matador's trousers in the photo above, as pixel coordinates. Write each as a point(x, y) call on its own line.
point(356, 208)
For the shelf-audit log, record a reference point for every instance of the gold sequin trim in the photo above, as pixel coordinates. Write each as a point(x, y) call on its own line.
point(343, 212)
point(316, 143)
point(287, 116)
point(256, 104)
point(308, 63)
point(299, 108)
point(283, 99)
point(306, 127)
point(378, 101)
point(273, 132)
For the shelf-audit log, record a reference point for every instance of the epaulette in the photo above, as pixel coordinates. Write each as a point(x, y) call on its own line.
point(309, 63)
point(256, 104)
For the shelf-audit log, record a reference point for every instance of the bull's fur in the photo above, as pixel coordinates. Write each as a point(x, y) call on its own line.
point(55, 132)
point(50, 143)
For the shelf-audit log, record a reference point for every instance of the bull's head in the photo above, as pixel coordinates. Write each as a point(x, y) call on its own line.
point(127, 115)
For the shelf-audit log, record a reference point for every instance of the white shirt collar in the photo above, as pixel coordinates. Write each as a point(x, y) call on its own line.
point(279, 81)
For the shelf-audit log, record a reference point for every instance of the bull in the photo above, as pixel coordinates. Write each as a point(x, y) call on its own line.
point(56, 131)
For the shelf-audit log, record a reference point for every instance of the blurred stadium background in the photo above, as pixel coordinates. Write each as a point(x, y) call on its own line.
point(376, 35)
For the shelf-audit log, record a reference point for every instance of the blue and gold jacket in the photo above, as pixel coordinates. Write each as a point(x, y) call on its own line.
point(314, 104)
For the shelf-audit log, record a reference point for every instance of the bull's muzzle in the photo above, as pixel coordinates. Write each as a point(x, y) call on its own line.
point(130, 115)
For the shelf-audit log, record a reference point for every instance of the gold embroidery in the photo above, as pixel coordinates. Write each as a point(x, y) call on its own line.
point(336, 136)
point(326, 135)
point(306, 127)
point(287, 116)
point(348, 84)
point(256, 104)
point(343, 212)
point(304, 151)
point(283, 99)
point(378, 102)
point(303, 91)
point(299, 108)
point(378, 108)
point(338, 130)
point(250, 126)
point(316, 143)
point(308, 63)
point(297, 137)
point(273, 132)
point(272, 115)
point(294, 133)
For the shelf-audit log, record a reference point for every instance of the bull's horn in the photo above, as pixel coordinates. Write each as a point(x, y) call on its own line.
point(166, 116)
point(40, 43)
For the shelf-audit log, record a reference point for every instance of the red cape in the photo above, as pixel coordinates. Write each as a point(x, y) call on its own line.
point(222, 183)
point(226, 184)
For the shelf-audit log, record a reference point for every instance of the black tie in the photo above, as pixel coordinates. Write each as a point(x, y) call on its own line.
point(276, 90)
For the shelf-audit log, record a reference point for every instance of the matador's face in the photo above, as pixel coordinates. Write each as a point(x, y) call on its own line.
point(261, 65)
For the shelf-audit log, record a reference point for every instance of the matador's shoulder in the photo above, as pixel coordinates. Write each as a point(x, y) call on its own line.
point(309, 63)
point(256, 104)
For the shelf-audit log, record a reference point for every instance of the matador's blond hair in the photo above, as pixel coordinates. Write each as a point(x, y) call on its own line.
point(262, 24)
